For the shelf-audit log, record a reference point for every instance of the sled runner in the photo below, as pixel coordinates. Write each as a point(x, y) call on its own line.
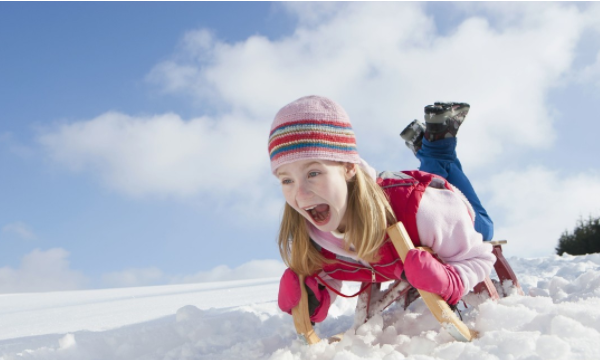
point(373, 301)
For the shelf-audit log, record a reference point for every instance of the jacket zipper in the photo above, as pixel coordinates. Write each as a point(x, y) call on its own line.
point(400, 184)
point(359, 268)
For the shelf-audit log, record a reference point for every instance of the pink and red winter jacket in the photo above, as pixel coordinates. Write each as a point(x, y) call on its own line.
point(435, 215)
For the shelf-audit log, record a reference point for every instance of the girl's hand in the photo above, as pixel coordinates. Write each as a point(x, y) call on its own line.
point(425, 272)
point(289, 295)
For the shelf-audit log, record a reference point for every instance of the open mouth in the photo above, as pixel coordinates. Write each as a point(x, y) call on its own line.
point(319, 213)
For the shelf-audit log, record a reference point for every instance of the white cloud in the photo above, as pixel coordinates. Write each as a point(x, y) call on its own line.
point(163, 154)
point(383, 62)
point(590, 73)
point(134, 277)
point(538, 205)
point(41, 271)
point(19, 229)
point(49, 270)
point(254, 269)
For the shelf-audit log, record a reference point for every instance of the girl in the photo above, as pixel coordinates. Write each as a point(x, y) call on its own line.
point(336, 212)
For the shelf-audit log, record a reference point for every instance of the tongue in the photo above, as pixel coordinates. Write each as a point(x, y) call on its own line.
point(322, 208)
point(320, 212)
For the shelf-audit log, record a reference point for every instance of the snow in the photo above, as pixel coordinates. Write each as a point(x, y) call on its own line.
point(558, 319)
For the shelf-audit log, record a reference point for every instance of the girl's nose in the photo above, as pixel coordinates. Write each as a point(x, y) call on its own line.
point(303, 191)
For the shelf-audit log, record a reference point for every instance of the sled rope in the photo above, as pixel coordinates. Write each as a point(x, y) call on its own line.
point(339, 292)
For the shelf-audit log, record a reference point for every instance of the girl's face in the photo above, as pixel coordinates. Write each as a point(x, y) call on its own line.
point(318, 190)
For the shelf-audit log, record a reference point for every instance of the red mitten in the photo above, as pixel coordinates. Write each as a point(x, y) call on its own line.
point(425, 272)
point(289, 295)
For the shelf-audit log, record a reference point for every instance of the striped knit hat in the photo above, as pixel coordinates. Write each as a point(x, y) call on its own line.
point(312, 127)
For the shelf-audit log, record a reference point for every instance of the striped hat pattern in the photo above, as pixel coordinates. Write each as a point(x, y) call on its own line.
point(312, 127)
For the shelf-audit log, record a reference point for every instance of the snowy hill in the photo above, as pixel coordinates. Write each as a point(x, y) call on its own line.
point(560, 319)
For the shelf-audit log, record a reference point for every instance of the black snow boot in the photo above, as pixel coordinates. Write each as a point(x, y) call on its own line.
point(413, 135)
point(442, 119)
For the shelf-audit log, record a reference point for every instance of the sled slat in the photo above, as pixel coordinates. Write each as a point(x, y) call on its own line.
point(302, 317)
point(438, 307)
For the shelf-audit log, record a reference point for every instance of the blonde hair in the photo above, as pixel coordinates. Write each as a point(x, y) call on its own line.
point(368, 214)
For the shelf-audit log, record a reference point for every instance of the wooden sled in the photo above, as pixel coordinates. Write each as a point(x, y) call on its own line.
point(373, 301)
point(505, 274)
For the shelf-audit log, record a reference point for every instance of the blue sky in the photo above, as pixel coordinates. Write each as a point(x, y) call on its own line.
point(133, 135)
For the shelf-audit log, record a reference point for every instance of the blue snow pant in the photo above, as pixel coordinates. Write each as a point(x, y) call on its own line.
point(439, 157)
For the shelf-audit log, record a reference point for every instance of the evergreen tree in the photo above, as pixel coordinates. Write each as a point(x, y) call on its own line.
point(585, 239)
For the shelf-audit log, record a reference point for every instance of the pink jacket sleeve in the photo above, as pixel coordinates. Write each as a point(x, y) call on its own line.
point(445, 225)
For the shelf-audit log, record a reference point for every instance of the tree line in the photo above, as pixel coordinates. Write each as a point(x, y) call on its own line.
point(585, 239)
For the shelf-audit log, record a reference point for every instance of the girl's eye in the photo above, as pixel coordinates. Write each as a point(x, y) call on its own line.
point(313, 173)
point(286, 181)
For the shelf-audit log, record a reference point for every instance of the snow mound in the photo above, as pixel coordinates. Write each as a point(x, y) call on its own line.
point(558, 319)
